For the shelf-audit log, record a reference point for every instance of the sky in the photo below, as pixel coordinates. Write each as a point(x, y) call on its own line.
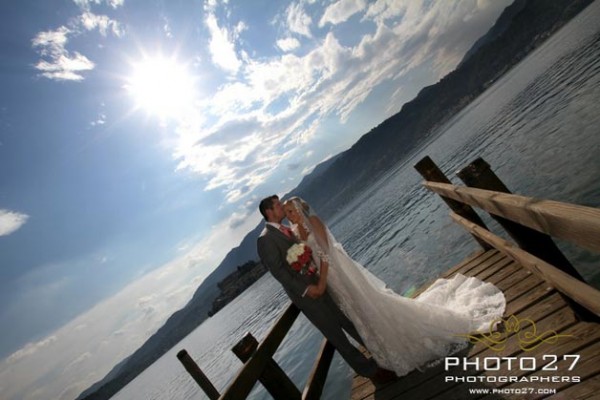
point(137, 137)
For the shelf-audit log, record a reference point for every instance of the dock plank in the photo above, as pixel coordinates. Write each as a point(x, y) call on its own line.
point(473, 260)
point(487, 269)
point(467, 269)
point(589, 389)
point(464, 266)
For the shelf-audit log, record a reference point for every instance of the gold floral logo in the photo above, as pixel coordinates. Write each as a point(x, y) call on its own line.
point(524, 330)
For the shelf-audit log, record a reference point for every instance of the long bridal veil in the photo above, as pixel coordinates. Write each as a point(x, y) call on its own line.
point(401, 333)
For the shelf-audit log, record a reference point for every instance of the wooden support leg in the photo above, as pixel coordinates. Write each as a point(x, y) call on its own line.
point(316, 381)
point(479, 175)
point(273, 378)
point(431, 172)
point(199, 376)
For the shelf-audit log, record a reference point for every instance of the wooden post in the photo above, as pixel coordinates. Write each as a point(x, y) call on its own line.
point(431, 172)
point(316, 381)
point(479, 175)
point(273, 378)
point(199, 376)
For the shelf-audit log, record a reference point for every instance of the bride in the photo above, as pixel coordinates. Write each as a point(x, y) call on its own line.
point(402, 334)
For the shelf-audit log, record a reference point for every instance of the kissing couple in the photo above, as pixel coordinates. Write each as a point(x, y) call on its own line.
point(339, 296)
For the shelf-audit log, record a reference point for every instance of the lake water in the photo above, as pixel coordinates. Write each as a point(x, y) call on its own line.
point(539, 129)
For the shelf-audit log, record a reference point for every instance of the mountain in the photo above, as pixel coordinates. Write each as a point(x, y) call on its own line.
point(522, 27)
point(501, 25)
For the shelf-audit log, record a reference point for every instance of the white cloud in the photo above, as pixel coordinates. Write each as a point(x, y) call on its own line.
point(244, 148)
point(239, 28)
point(11, 221)
point(340, 11)
point(383, 10)
point(77, 361)
point(57, 62)
point(30, 349)
point(52, 43)
point(288, 44)
point(298, 21)
point(101, 22)
point(210, 5)
point(222, 49)
point(167, 30)
point(101, 120)
point(86, 4)
point(65, 67)
point(275, 106)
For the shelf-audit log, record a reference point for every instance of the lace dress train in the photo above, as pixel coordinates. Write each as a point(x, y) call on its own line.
point(404, 334)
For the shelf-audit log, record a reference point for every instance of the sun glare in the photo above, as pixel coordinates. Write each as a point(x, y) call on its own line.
point(161, 86)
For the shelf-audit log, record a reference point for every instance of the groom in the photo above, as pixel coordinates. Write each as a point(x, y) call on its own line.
point(273, 244)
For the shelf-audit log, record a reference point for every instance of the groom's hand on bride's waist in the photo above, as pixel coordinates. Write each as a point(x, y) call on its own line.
point(314, 292)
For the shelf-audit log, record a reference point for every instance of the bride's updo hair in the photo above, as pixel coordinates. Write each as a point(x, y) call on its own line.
point(297, 200)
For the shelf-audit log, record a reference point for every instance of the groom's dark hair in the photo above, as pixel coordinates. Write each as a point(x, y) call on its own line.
point(267, 204)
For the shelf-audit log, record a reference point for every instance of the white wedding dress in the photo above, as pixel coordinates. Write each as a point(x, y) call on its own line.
point(405, 334)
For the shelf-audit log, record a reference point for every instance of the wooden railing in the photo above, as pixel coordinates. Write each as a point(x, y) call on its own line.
point(577, 224)
point(530, 222)
point(260, 366)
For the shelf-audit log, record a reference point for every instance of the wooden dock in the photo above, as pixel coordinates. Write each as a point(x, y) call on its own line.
point(527, 296)
point(547, 345)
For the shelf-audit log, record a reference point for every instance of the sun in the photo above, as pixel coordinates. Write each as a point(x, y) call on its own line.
point(161, 86)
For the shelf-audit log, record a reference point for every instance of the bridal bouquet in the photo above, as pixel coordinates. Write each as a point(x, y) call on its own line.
point(299, 256)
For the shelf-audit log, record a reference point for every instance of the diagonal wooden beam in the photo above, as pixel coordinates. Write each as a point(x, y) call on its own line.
point(574, 223)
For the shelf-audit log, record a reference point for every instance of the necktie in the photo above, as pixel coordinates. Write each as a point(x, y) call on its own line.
point(286, 231)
